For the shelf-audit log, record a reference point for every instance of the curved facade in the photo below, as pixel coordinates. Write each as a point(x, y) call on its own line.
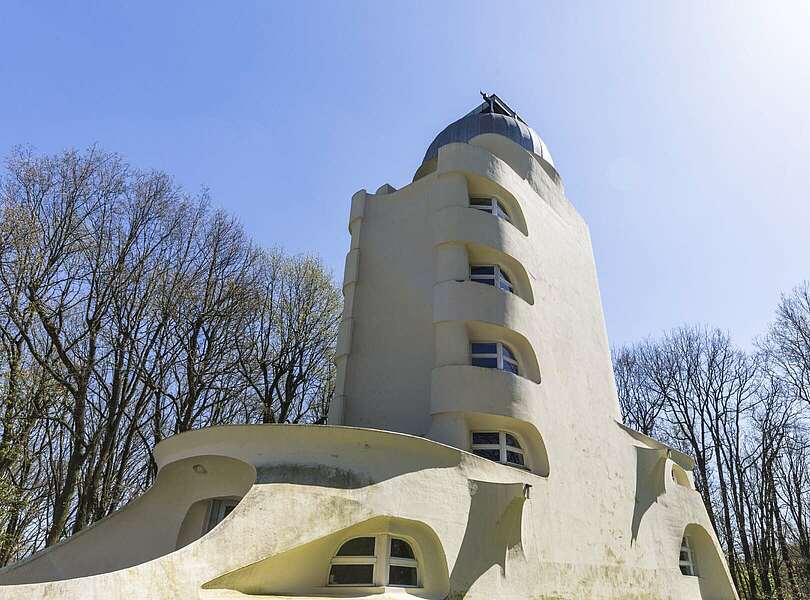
point(473, 449)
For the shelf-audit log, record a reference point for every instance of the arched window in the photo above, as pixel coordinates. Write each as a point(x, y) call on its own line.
point(491, 275)
point(687, 560)
point(499, 446)
point(493, 355)
point(492, 206)
point(377, 560)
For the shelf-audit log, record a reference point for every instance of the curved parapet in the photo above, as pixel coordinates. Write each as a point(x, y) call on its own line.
point(458, 388)
point(521, 179)
point(302, 485)
point(170, 514)
point(473, 302)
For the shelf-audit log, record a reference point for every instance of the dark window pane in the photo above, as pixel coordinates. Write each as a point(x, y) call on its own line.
point(363, 546)
point(684, 555)
point(486, 437)
point(515, 458)
point(489, 363)
point(685, 570)
point(484, 348)
point(488, 281)
point(482, 270)
point(402, 575)
point(401, 549)
point(481, 202)
point(507, 352)
point(512, 368)
point(512, 441)
point(351, 575)
point(490, 454)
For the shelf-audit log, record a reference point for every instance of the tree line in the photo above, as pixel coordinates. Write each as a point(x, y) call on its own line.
point(743, 416)
point(131, 311)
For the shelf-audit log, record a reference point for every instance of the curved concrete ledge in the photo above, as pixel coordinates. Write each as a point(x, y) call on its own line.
point(302, 491)
point(351, 267)
point(517, 156)
point(490, 313)
point(150, 524)
point(530, 182)
point(358, 207)
point(459, 388)
point(473, 301)
point(467, 225)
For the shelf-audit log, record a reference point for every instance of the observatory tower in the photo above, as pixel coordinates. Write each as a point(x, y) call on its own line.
point(474, 448)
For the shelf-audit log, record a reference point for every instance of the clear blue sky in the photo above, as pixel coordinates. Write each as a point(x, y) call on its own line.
point(681, 129)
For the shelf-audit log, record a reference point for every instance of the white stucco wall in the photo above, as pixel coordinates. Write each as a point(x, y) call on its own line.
point(597, 515)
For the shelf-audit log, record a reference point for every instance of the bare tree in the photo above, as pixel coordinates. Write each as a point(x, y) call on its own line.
point(130, 311)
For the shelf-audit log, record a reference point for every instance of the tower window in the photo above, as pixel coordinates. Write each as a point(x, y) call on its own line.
point(375, 561)
point(498, 446)
point(687, 561)
point(492, 206)
point(493, 355)
point(491, 275)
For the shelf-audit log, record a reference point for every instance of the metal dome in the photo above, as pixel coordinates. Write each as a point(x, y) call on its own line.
point(492, 116)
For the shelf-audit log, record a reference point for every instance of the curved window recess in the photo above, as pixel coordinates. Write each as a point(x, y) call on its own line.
point(378, 560)
point(517, 157)
point(493, 355)
point(218, 509)
point(516, 274)
point(482, 188)
point(490, 205)
point(535, 454)
point(520, 347)
point(686, 559)
point(499, 446)
point(491, 275)
point(680, 477)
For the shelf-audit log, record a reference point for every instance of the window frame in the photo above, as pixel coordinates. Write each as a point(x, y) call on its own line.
point(501, 446)
point(689, 562)
point(500, 278)
point(500, 355)
point(381, 561)
point(497, 208)
point(216, 512)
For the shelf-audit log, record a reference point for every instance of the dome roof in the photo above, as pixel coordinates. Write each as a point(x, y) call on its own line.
point(492, 116)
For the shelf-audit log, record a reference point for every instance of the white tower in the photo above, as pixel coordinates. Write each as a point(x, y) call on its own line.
point(480, 262)
point(474, 449)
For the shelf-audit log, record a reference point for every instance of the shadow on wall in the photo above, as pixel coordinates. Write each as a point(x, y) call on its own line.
point(649, 484)
point(318, 475)
point(493, 530)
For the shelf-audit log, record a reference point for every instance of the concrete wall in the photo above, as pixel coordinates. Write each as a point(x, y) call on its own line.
point(597, 515)
point(481, 530)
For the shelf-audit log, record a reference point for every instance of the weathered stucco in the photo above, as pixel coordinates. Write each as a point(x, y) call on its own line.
point(599, 513)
